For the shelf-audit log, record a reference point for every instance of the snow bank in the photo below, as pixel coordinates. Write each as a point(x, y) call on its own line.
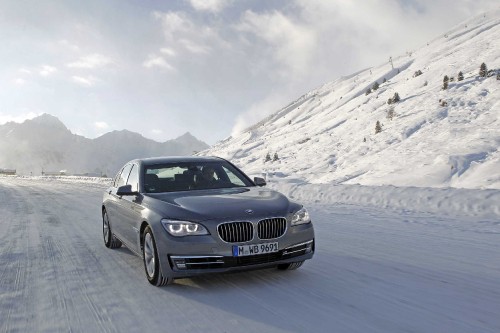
point(442, 201)
point(66, 179)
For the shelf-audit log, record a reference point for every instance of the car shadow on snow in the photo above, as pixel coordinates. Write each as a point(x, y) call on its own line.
point(295, 301)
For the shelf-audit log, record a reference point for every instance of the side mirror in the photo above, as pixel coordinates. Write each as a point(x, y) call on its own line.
point(126, 190)
point(259, 181)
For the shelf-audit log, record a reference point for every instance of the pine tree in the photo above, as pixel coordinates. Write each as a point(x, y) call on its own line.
point(445, 82)
point(378, 127)
point(460, 76)
point(268, 158)
point(275, 158)
point(391, 113)
point(498, 76)
point(375, 86)
point(368, 91)
point(384, 80)
point(483, 70)
point(396, 98)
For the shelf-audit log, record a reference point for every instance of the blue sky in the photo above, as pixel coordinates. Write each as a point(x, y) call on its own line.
point(210, 67)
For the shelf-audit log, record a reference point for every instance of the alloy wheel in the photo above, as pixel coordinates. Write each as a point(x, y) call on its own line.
point(149, 255)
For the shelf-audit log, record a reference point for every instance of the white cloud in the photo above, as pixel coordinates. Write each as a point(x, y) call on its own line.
point(182, 34)
point(19, 81)
point(168, 51)
point(24, 71)
point(156, 131)
point(101, 125)
point(194, 47)
point(290, 43)
point(213, 6)
point(84, 81)
point(157, 61)
point(258, 111)
point(91, 61)
point(174, 22)
point(47, 70)
point(65, 43)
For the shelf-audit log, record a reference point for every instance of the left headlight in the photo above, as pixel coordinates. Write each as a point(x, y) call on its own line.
point(183, 228)
point(301, 217)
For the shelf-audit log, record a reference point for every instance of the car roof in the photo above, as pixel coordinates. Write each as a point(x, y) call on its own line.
point(175, 159)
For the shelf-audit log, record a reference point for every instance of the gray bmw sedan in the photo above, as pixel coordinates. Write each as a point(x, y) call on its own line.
point(187, 216)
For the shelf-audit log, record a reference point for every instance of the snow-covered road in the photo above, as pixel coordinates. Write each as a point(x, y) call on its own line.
point(375, 270)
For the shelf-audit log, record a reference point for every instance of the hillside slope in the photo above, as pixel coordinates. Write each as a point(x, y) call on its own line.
point(436, 138)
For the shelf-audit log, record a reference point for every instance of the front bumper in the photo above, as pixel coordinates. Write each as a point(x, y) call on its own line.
point(184, 257)
point(194, 265)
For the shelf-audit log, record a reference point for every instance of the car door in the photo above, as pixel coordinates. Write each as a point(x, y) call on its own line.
point(115, 212)
point(130, 209)
point(110, 197)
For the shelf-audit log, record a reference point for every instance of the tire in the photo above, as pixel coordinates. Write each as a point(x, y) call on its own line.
point(291, 266)
point(151, 260)
point(110, 240)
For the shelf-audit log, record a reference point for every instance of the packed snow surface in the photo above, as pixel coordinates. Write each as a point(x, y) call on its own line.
point(378, 267)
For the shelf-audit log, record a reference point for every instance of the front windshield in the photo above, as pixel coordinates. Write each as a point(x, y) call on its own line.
point(185, 176)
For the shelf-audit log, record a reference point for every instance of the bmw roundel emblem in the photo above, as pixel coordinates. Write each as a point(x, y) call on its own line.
point(249, 211)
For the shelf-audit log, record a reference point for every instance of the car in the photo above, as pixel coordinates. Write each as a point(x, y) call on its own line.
point(187, 216)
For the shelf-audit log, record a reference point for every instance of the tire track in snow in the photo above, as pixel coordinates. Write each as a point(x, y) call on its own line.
point(54, 259)
point(14, 278)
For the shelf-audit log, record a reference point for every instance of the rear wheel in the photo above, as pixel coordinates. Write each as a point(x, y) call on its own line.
point(151, 260)
point(291, 266)
point(110, 240)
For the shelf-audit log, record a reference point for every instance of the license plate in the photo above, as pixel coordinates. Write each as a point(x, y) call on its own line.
point(254, 249)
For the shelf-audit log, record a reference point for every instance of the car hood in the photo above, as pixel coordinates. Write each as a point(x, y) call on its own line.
point(227, 203)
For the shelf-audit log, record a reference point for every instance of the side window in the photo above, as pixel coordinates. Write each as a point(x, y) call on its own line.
point(133, 179)
point(124, 175)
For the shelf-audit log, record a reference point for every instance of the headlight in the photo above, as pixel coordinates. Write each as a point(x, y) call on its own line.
point(301, 217)
point(183, 228)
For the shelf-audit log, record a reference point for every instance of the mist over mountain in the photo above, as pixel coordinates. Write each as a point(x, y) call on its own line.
point(433, 134)
point(44, 143)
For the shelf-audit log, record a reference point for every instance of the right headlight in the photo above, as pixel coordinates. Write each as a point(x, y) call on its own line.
point(301, 217)
point(183, 228)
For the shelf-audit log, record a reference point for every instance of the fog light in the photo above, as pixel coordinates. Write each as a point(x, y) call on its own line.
point(180, 263)
point(309, 248)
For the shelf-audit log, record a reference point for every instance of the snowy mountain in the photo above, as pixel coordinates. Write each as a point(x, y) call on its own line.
point(44, 143)
point(436, 138)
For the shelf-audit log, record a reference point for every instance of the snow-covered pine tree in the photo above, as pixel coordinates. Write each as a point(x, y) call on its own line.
point(396, 98)
point(445, 82)
point(483, 70)
point(391, 113)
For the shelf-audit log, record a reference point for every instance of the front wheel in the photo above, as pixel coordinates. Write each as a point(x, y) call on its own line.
point(151, 261)
point(291, 266)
